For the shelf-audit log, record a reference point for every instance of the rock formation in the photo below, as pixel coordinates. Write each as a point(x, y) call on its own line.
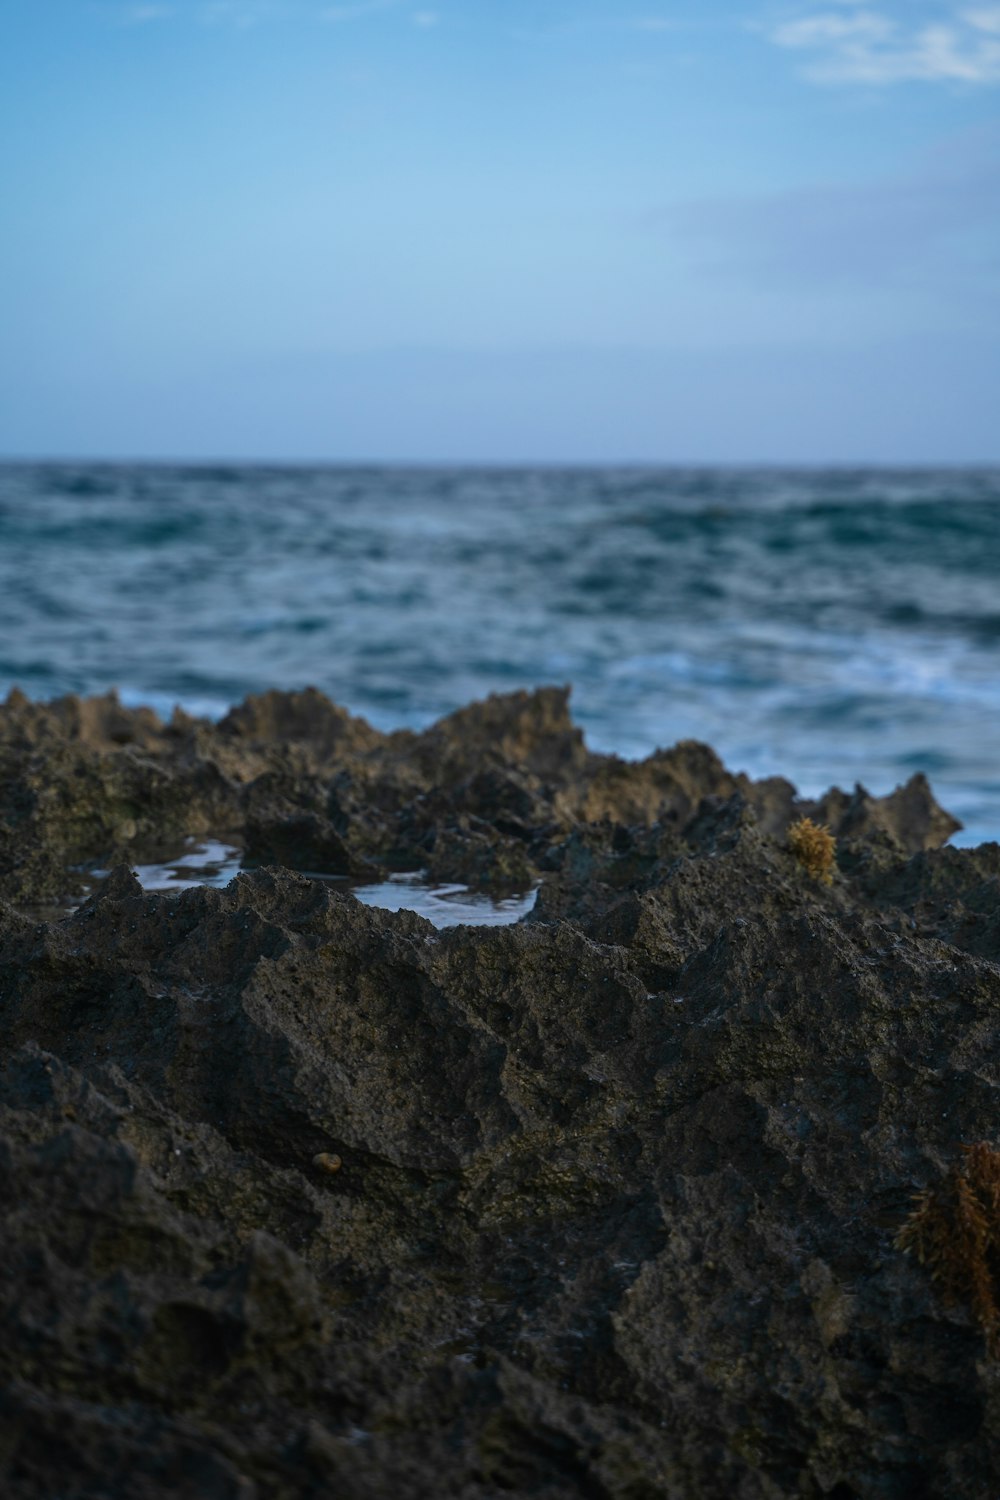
point(306, 1199)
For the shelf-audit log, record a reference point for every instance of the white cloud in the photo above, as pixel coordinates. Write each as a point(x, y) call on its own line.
point(816, 31)
point(937, 226)
point(863, 45)
point(984, 20)
point(426, 18)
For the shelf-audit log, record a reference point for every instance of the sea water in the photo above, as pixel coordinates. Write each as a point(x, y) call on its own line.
point(829, 626)
point(213, 862)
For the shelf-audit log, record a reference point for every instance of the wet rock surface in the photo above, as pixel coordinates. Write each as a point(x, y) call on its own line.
point(303, 1198)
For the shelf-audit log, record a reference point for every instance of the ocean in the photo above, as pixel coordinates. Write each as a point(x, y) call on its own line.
point(830, 626)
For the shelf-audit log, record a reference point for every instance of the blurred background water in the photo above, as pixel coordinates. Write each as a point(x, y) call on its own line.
point(829, 626)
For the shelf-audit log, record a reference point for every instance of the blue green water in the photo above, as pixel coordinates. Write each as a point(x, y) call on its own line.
point(828, 626)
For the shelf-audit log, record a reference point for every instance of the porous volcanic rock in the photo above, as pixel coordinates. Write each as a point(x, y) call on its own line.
point(307, 1199)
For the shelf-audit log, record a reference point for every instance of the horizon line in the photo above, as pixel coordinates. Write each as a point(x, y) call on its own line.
point(494, 464)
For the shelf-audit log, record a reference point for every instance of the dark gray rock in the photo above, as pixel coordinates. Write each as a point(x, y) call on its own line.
point(619, 1186)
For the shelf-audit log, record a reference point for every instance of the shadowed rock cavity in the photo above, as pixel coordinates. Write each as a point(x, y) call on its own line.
point(618, 1187)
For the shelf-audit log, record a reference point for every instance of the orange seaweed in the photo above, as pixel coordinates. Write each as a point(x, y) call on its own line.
point(813, 846)
point(954, 1231)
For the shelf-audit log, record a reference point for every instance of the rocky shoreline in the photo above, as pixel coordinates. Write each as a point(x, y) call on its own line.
point(304, 1198)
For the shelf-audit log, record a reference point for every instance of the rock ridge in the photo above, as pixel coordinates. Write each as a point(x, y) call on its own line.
point(304, 1198)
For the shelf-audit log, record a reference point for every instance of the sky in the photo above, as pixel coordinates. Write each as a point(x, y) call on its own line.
point(501, 231)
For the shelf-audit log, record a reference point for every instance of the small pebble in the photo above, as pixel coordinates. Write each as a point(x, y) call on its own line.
point(326, 1161)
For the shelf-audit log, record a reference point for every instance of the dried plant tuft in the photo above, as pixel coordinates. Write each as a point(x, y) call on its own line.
point(813, 847)
point(954, 1231)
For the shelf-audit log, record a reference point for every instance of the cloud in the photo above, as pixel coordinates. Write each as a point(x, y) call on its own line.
point(936, 226)
point(857, 44)
point(984, 20)
point(426, 18)
point(836, 30)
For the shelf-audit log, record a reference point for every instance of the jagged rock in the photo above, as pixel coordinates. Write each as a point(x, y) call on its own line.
point(617, 1188)
point(909, 815)
point(92, 782)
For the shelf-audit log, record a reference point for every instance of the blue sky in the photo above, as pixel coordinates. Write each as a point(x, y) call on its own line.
point(501, 230)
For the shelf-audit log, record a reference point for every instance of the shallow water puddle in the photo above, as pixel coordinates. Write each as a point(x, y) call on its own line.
point(209, 863)
point(444, 905)
point(215, 863)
